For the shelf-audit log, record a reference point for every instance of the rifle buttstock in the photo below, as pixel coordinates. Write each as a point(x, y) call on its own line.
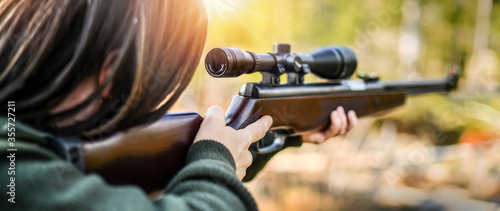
point(148, 157)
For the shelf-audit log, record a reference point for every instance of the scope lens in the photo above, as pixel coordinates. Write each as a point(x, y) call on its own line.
point(333, 62)
point(217, 62)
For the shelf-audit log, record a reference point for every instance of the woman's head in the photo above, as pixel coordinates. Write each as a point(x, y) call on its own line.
point(48, 48)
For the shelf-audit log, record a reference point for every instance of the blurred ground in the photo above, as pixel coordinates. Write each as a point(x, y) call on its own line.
point(379, 168)
point(438, 152)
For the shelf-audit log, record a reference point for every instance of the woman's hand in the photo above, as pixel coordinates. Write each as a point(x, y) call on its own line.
point(339, 126)
point(214, 128)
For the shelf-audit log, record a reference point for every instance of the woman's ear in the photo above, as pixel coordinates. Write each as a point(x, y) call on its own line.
point(105, 72)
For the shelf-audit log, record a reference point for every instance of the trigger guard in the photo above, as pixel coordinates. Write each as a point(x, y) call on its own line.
point(277, 144)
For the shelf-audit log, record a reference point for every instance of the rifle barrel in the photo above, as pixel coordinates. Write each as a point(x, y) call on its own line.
point(419, 87)
point(349, 87)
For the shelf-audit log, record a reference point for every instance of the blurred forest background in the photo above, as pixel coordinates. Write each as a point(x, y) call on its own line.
point(437, 152)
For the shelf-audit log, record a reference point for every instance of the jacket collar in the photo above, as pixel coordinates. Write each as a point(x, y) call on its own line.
point(23, 132)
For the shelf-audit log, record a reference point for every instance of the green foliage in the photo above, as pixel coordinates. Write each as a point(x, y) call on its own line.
point(395, 39)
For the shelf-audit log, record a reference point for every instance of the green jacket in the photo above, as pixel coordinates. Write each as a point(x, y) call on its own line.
point(43, 181)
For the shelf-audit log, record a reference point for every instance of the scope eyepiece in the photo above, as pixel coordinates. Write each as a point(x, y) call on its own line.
point(228, 62)
point(217, 62)
point(334, 62)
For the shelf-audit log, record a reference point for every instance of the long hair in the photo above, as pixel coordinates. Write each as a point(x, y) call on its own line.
point(47, 48)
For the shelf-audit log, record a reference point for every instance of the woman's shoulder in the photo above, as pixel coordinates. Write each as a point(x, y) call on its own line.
point(17, 138)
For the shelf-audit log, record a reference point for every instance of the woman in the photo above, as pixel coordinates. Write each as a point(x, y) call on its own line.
point(96, 67)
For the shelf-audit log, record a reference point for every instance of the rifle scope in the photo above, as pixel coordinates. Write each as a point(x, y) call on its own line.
point(335, 62)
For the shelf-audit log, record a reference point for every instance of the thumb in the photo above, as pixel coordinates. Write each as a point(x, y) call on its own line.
point(258, 129)
point(215, 116)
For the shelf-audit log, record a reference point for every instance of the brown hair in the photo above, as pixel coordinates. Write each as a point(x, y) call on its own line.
point(49, 47)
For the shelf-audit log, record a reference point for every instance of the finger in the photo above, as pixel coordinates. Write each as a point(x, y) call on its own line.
point(215, 116)
point(240, 173)
point(258, 129)
point(353, 119)
point(343, 120)
point(335, 127)
point(317, 138)
point(246, 159)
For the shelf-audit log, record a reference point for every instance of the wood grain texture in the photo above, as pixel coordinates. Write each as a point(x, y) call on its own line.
point(308, 113)
point(148, 157)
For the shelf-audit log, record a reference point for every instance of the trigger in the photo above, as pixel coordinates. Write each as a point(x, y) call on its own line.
point(273, 141)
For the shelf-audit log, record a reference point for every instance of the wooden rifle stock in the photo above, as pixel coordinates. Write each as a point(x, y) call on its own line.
point(149, 157)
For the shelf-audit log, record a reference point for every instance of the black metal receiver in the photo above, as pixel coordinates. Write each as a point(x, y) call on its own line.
point(337, 63)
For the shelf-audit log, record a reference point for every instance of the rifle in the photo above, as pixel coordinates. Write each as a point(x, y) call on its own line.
point(150, 156)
